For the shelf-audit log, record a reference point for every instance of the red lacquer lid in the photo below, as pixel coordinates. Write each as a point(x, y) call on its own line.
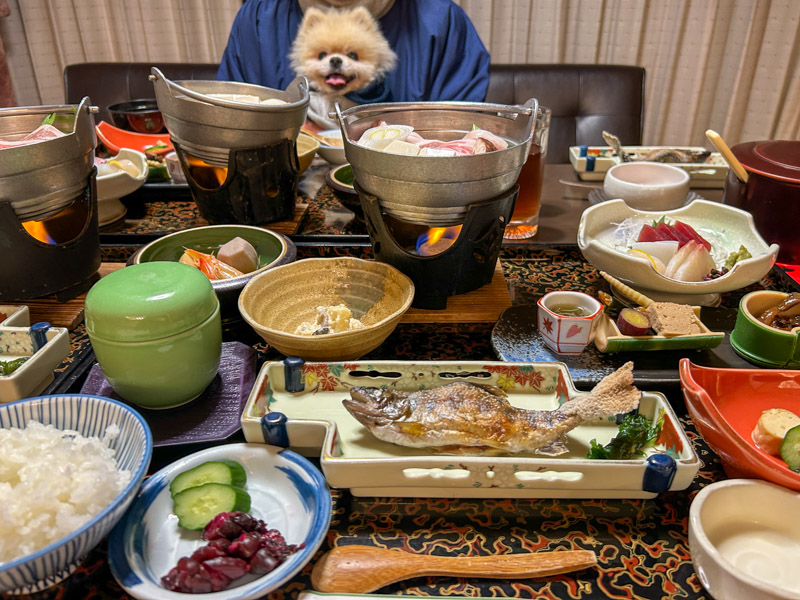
point(779, 159)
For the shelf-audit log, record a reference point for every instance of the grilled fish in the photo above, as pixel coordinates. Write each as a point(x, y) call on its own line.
point(665, 155)
point(469, 418)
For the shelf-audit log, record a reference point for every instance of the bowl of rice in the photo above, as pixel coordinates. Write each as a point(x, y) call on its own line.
point(72, 464)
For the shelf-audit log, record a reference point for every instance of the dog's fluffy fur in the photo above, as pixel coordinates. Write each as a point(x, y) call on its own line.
point(339, 51)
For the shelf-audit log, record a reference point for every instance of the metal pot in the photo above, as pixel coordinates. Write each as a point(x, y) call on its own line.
point(772, 192)
point(438, 191)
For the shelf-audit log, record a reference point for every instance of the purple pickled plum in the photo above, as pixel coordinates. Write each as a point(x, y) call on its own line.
point(231, 567)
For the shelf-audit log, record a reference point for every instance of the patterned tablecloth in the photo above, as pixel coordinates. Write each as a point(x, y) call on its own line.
point(641, 545)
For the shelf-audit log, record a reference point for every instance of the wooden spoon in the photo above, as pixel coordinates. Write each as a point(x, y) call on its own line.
point(723, 149)
point(358, 569)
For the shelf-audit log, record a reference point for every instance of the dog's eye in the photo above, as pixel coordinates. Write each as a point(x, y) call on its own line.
point(322, 55)
point(352, 56)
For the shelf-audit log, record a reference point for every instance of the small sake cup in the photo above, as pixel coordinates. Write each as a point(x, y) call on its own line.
point(567, 320)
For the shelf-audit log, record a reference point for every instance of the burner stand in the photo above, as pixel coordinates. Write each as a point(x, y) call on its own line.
point(260, 186)
point(32, 269)
point(463, 267)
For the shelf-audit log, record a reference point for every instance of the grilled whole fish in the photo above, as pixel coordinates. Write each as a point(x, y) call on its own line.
point(468, 418)
point(665, 155)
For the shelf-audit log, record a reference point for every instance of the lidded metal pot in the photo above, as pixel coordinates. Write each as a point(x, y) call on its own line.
point(240, 156)
point(48, 186)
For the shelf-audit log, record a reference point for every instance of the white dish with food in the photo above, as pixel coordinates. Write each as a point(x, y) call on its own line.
point(333, 152)
point(744, 538)
point(35, 367)
point(608, 231)
point(76, 465)
point(118, 176)
point(286, 490)
point(319, 425)
point(14, 315)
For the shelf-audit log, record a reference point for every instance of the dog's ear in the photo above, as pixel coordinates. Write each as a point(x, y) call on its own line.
point(311, 17)
point(363, 17)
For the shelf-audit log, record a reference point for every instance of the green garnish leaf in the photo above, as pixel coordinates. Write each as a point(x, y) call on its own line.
point(636, 432)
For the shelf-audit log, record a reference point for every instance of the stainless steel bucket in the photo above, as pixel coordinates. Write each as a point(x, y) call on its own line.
point(437, 191)
point(41, 179)
point(209, 128)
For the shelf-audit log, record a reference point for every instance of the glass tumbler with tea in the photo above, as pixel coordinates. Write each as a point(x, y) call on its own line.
point(525, 218)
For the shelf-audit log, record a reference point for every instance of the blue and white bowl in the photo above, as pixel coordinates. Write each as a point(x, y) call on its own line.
point(286, 490)
point(89, 416)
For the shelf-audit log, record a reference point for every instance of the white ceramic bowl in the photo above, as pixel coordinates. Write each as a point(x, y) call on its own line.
point(113, 186)
point(89, 416)
point(333, 154)
point(647, 185)
point(605, 231)
point(744, 538)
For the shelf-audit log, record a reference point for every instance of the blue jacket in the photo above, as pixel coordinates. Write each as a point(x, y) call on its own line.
point(440, 56)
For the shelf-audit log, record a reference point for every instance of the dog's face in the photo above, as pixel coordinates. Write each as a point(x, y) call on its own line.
point(340, 51)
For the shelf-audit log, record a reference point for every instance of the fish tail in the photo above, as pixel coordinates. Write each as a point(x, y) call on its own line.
point(615, 394)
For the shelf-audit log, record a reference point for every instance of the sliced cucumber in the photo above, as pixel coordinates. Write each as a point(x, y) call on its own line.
point(196, 506)
point(790, 448)
point(213, 471)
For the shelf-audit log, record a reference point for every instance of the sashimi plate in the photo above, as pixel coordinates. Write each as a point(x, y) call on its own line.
point(313, 422)
point(606, 231)
point(287, 492)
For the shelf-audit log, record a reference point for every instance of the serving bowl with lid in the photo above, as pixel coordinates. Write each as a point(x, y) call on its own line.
point(156, 331)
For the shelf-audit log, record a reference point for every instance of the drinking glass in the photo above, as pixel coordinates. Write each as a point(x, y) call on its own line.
point(525, 219)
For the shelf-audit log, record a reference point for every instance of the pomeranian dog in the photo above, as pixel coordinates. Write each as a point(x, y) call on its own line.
point(339, 52)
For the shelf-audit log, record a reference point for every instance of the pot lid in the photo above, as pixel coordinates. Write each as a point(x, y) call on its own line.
point(149, 301)
point(779, 159)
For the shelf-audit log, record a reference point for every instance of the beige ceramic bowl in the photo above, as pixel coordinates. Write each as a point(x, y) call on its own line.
point(647, 185)
point(744, 538)
point(277, 301)
point(307, 148)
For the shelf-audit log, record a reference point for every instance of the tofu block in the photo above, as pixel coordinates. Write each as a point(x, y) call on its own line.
point(240, 254)
point(400, 147)
point(670, 319)
point(437, 152)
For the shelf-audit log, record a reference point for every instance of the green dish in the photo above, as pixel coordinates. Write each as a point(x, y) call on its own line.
point(609, 339)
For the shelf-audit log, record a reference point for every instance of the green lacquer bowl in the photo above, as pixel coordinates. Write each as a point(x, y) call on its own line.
point(156, 331)
point(759, 343)
point(273, 250)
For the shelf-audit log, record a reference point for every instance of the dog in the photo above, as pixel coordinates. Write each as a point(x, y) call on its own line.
point(339, 52)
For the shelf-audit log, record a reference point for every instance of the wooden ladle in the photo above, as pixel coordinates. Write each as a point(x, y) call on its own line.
point(359, 569)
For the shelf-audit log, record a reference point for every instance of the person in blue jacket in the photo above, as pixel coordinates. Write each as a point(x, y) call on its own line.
point(440, 56)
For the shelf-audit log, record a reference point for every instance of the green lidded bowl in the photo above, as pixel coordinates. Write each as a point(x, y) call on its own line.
point(273, 249)
point(156, 332)
point(759, 343)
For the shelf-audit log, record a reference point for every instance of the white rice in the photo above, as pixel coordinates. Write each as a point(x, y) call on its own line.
point(52, 481)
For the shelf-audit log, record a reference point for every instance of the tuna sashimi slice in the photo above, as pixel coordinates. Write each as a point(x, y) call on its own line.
point(689, 231)
point(649, 233)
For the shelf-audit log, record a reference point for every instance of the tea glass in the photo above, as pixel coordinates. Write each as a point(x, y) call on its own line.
point(567, 320)
point(524, 221)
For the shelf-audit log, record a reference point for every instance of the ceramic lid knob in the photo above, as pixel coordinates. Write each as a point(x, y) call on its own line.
point(149, 301)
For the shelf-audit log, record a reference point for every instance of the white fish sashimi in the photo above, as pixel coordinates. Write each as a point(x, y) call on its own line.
point(662, 250)
point(691, 263)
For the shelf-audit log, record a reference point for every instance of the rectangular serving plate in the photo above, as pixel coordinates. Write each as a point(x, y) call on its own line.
point(318, 425)
point(35, 374)
point(609, 339)
point(16, 315)
point(709, 174)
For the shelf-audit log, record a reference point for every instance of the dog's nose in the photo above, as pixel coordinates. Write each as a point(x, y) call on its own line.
point(335, 62)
